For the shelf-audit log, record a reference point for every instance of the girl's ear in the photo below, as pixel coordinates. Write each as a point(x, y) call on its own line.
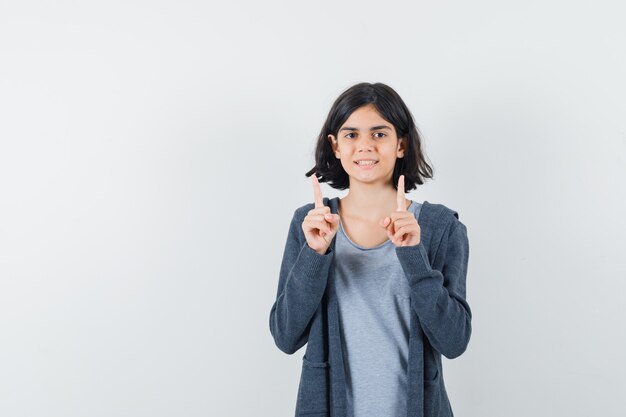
point(333, 145)
point(401, 147)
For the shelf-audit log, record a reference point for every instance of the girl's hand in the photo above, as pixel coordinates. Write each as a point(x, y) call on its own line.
point(319, 225)
point(402, 227)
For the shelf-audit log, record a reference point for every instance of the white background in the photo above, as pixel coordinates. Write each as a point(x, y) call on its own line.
point(152, 154)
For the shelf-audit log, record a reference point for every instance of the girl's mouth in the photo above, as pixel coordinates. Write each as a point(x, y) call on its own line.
point(367, 165)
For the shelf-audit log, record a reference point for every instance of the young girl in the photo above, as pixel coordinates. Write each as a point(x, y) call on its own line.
point(374, 284)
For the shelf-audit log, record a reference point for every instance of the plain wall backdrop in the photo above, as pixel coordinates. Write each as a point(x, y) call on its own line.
point(152, 154)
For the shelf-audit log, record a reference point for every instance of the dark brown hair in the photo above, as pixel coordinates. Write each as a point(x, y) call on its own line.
point(391, 108)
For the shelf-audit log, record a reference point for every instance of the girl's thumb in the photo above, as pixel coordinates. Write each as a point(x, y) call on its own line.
point(331, 217)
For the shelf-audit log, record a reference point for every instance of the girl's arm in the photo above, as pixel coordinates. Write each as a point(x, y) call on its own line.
point(301, 285)
point(439, 297)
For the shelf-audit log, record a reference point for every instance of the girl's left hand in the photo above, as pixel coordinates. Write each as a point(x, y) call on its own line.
point(402, 227)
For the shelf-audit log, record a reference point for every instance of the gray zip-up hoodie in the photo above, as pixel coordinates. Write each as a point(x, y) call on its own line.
point(305, 312)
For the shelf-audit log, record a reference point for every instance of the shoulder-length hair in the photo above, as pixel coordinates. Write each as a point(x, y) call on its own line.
point(391, 108)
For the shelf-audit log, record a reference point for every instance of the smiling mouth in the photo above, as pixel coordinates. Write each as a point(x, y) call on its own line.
point(369, 164)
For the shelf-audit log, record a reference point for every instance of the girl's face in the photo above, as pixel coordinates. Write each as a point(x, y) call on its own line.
point(367, 136)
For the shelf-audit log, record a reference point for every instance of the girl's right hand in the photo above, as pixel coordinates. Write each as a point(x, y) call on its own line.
point(319, 225)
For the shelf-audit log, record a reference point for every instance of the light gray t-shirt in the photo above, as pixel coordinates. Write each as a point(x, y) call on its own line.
point(373, 296)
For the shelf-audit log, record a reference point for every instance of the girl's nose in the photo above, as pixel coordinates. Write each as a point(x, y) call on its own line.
point(365, 147)
point(365, 144)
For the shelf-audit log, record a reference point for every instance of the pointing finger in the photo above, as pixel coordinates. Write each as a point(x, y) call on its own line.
point(400, 195)
point(317, 192)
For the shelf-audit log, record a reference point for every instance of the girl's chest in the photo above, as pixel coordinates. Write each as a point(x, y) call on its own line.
point(363, 233)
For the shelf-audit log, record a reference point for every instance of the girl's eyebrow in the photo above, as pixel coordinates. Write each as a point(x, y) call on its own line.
point(371, 128)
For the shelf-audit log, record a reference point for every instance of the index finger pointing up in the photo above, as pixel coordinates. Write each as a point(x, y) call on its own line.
point(401, 199)
point(317, 192)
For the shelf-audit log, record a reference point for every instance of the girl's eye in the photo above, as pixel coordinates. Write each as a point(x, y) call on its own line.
point(377, 133)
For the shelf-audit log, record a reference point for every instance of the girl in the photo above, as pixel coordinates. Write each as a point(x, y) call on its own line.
point(376, 295)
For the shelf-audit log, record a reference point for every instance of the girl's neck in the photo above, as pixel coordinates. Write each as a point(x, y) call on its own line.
point(369, 202)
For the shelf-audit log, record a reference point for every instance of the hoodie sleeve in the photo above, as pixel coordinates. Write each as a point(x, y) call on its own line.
point(439, 297)
point(301, 285)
